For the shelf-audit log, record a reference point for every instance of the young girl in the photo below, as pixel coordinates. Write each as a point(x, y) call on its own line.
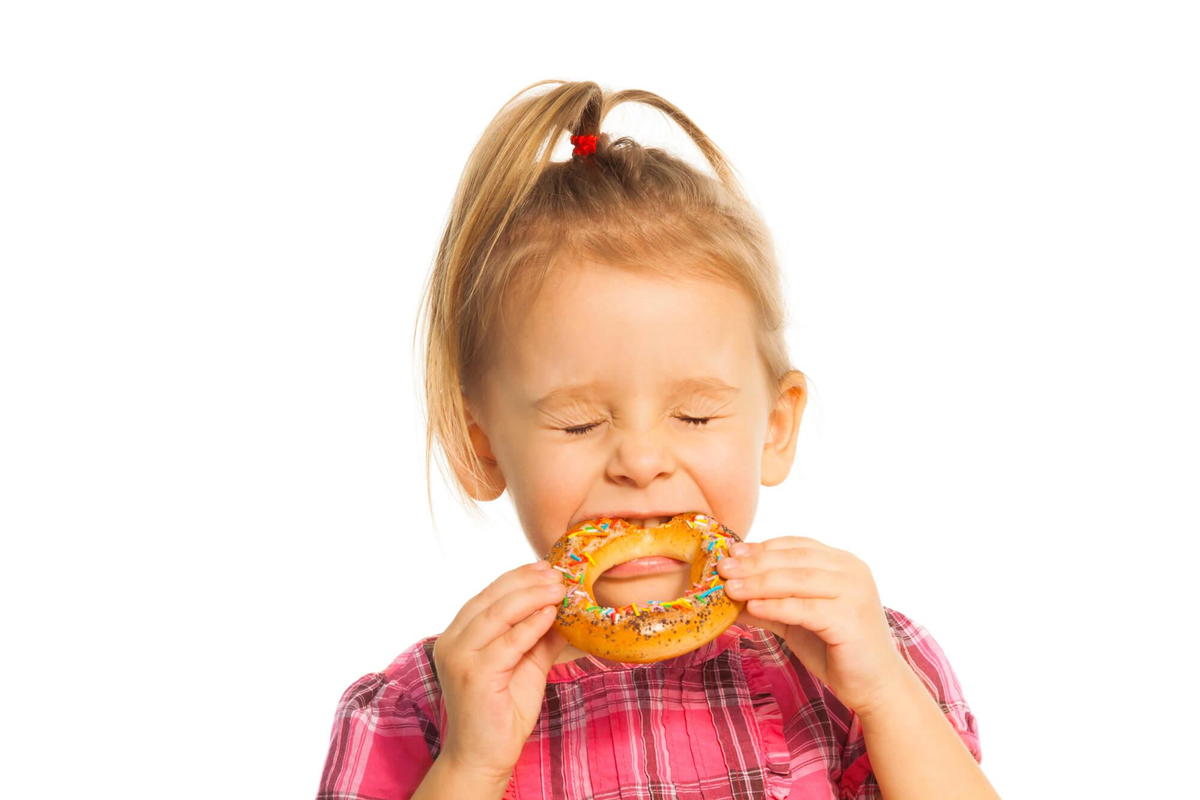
point(605, 337)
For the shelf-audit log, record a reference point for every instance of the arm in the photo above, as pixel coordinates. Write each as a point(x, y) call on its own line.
point(447, 781)
point(915, 751)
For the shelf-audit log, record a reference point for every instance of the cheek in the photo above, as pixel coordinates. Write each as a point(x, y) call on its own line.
point(547, 487)
point(548, 470)
point(734, 454)
point(561, 484)
point(729, 477)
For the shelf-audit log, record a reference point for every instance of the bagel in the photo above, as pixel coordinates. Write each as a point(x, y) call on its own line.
point(653, 630)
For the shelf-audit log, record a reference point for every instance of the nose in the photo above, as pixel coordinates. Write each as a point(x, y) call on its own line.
point(639, 458)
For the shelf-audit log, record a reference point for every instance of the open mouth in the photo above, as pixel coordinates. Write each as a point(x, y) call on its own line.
point(647, 565)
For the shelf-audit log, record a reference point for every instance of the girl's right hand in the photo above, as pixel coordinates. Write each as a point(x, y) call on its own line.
point(492, 662)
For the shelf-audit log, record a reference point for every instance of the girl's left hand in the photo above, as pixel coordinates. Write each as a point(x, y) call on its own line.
point(823, 603)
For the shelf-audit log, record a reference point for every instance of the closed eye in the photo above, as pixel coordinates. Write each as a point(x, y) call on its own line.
point(580, 430)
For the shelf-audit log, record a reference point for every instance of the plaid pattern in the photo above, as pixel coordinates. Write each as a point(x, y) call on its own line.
point(737, 719)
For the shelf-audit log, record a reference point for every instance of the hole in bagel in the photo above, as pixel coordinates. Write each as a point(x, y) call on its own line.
point(643, 565)
point(643, 568)
point(617, 592)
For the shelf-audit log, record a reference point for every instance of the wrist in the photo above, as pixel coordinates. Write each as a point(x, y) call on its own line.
point(894, 694)
point(477, 774)
point(445, 780)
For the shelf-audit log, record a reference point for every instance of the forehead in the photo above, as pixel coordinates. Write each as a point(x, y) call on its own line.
point(590, 323)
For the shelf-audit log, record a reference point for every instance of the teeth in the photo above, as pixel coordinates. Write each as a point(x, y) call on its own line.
point(650, 522)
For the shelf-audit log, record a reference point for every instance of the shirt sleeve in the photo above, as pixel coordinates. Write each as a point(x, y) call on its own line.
point(926, 658)
point(385, 734)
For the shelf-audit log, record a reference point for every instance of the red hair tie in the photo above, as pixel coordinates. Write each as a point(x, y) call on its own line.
point(584, 145)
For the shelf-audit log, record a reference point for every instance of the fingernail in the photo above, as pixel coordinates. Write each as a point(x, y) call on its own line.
point(740, 549)
point(730, 564)
point(734, 586)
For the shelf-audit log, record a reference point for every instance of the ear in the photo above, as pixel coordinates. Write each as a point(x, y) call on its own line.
point(493, 483)
point(779, 450)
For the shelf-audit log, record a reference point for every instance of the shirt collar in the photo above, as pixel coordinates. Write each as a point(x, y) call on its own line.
point(591, 665)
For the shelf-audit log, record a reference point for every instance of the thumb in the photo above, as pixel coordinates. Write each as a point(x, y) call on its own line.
point(547, 650)
point(746, 618)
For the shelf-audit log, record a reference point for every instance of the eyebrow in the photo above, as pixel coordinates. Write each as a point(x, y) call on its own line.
point(702, 385)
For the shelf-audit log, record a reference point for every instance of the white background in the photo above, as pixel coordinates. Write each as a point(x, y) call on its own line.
point(215, 222)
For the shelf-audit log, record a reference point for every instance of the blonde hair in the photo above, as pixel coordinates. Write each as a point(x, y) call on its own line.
point(516, 215)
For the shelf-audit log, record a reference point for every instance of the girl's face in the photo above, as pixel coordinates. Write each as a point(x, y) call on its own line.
point(626, 394)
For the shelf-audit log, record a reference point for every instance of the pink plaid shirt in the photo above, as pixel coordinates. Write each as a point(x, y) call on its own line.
point(737, 719)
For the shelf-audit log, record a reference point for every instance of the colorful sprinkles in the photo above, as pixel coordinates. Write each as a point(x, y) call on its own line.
point(715, 543)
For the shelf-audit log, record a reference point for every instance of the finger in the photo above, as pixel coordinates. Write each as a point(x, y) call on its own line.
point(524, 575)
point(505, 651)
point(745, 618)
point(812, 613)
point(509, 610)
point(547, 649)
point(787, 582)
point(781, 543)
point(810, 544)
point(784, 542)
point(763, 560)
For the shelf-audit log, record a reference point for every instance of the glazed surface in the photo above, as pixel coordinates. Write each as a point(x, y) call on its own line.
point(654, 629)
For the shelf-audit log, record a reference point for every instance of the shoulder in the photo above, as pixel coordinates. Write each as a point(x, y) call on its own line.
point(413, 671)
point(385, 731)
point(929, 661)
point(407, 686)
